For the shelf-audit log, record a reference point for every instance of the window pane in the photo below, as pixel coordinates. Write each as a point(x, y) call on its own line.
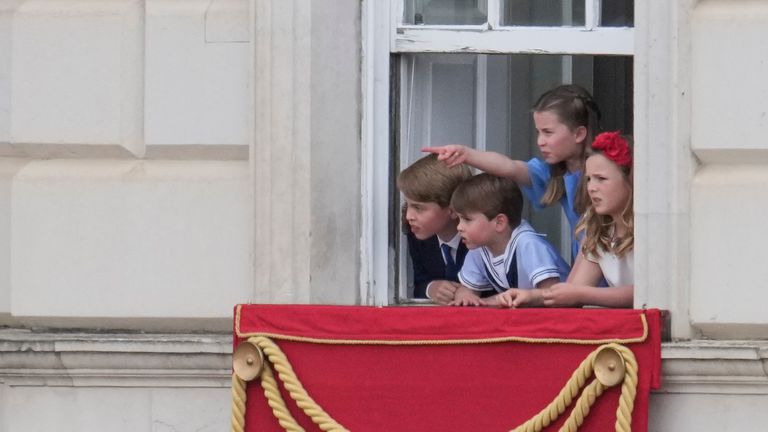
point(557, 13)
point(484, 101)
point(618, 13)
point(435, 83)
point(445, 12)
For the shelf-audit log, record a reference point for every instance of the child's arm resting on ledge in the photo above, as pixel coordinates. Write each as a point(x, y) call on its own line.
point(581, 289)
point(515, 297)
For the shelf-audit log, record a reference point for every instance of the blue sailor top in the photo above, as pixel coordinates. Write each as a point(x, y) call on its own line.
point(527, 260)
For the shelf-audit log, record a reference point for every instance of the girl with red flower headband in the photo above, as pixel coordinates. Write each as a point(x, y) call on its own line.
point(608, 229)
point(566, 119)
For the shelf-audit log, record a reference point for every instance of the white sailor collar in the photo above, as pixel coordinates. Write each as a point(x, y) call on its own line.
point(492, 263)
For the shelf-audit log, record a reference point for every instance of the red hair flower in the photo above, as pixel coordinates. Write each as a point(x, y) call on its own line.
point(614, 147)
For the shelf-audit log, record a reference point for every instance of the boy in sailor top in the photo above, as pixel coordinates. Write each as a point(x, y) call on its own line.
point(507, 256)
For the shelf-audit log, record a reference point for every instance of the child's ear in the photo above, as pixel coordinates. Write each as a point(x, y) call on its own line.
point(452, 214)
point(581, 134)
point(501, 221)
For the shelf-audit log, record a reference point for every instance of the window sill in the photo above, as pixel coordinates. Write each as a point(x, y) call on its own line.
point(73, 359)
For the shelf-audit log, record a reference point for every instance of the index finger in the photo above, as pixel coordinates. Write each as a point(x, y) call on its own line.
point(435, 150)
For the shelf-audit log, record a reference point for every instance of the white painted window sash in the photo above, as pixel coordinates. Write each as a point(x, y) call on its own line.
point(592, 14)
point(385, 33)
point(515, 40)
point(481, 101)
point(397, 9)
point(375, 276)
point(494, 14)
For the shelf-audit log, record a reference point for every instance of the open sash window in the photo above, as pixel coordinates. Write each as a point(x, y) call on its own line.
point(468, 71)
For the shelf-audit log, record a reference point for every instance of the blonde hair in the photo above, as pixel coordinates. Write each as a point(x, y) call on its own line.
point(574, 106)
point(599, 229)
point(430, 180)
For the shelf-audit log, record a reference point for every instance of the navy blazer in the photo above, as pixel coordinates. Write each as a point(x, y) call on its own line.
point(428, 263)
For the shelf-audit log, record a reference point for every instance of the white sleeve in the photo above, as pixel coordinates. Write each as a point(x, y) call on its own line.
point(472, 274)
point(426, 290)
point(537, 260)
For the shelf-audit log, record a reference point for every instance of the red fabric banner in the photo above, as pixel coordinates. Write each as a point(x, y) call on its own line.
point(445, 368)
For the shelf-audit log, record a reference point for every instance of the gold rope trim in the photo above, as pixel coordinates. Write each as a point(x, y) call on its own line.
point(589, 396)
point(238, 404)
point(539, 421)
point(327, 341)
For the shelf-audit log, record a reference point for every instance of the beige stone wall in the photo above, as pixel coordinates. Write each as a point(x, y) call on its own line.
point(730, 138)
point(162, 160)
point(141, 142)
point(125, 175)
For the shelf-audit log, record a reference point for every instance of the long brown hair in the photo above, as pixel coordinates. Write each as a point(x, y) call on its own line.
point(574, 107)
point(598, 229)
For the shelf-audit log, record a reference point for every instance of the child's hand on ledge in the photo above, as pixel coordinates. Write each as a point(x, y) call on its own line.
point(563, 294)
point(442, 291)
point(515, 298)
point(466, 297)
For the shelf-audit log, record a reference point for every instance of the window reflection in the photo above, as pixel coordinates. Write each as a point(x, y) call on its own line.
point(446, 12)
point(618, 13)
point(560, 13)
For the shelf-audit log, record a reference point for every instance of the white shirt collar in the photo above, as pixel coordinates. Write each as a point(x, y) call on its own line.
point(453, 243)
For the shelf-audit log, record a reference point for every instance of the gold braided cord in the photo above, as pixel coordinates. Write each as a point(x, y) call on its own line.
point(238, 404)
point(276, 402)
point(294, 387)
point(544, 418)
point(274, 399)
point(628, 390)
point(563, 399)
point(583, 405)
point(588, 397)
point(521, 339)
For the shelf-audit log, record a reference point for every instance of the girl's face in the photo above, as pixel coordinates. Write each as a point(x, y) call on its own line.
point(557, 142)
point(607, 186)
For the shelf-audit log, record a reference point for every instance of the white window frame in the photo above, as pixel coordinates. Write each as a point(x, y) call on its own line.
point(383, 34)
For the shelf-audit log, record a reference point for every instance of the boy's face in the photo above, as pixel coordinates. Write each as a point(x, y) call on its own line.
point(428, 218)
point(477, 230)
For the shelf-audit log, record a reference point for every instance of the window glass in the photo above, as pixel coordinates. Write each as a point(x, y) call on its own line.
point(445, 12)
point(618, 13)
point(560, 13)
point(484, 101)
